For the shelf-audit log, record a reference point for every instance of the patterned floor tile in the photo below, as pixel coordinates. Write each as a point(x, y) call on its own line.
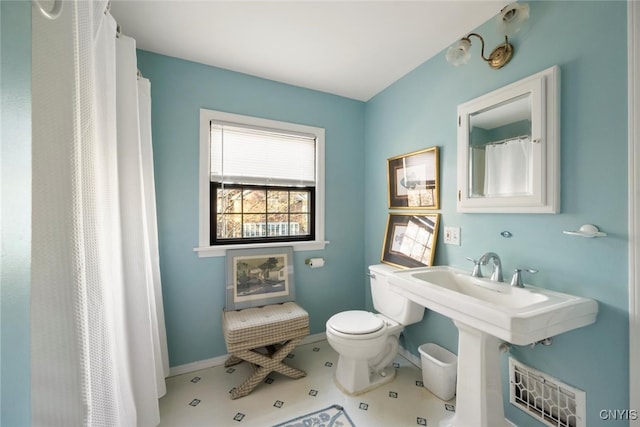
point(202, 398)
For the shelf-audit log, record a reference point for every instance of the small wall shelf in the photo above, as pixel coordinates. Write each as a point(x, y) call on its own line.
point(587, 230)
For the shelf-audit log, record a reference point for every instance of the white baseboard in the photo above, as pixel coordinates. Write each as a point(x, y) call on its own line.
point(217, 361)
point(196, 366)
point(410, 357)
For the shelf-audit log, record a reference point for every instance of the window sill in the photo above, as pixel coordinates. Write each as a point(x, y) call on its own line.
point(218, 251)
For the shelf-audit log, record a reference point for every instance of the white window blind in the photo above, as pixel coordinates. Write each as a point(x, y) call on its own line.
point(250, 155)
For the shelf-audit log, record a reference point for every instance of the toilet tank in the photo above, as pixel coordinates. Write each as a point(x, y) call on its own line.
point(389, 303)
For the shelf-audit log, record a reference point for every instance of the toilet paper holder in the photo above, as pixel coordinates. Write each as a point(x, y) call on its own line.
point(314, 262)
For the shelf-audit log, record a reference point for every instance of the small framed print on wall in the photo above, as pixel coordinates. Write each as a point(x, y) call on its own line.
point(410, 240)
point(413, 180)
point(259, 276)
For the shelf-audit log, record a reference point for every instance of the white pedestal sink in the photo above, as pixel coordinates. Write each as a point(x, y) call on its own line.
point(487, 313)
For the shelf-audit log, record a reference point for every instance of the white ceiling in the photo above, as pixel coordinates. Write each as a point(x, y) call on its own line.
point(349, 48)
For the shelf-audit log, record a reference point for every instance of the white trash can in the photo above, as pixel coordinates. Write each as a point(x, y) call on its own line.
point(439, 370)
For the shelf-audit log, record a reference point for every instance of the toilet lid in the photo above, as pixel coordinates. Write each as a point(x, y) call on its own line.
point(356, 322)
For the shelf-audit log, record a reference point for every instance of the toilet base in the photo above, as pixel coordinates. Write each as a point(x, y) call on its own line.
point(364, 382)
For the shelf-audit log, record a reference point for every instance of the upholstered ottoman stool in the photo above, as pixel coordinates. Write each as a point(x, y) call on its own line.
point(277, 327)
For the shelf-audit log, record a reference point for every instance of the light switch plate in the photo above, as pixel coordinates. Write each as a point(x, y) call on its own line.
point(452, 235)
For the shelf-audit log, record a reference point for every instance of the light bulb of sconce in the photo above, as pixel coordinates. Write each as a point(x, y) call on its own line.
point(512, 17)
point(459, 53)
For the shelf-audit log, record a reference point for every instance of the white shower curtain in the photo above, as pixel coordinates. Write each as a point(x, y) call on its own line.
point(99, 355)
point(508, 168)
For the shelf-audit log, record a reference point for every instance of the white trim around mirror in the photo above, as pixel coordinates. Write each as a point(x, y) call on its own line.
point(543, 195)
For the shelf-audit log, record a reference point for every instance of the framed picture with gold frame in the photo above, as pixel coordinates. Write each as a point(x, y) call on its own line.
point(410, 239)
point(413, 180)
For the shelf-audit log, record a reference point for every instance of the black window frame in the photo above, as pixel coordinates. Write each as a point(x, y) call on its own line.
point(213, 213)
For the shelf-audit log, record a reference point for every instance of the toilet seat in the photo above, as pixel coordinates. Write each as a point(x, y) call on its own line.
point(355, 322)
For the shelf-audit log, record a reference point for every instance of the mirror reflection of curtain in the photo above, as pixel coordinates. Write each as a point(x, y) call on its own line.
point(508, 168)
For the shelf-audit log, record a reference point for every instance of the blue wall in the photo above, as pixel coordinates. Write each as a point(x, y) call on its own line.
point(588, 41)
point(193, 288)
point(15, 167)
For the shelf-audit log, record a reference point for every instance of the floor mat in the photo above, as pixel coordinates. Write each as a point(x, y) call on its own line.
point(333, 416)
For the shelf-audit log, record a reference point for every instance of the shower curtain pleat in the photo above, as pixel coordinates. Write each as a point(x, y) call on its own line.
point(97, 330)
point(149, 192)
point(138, 278)
point(110, 255)
point(58, 300)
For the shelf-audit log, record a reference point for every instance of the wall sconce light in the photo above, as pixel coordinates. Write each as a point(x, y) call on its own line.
point(510, 20)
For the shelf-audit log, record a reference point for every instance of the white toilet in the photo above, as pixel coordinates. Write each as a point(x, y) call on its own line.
point(368, 342)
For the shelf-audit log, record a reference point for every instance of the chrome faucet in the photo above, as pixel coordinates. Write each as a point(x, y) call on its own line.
point(496, 275)
point(516, 280)
point(477, 271)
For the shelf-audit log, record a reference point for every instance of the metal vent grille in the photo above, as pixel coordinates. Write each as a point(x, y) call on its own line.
point(545, 398)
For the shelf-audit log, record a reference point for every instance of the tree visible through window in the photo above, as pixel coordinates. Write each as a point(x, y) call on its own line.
point(254, 213)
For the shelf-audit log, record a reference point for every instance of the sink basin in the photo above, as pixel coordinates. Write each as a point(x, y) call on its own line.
point(516, 315)
point(483, 289)
point(486, 313)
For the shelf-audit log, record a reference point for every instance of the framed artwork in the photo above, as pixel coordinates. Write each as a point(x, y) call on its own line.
point(413, 180)
point(410, 240)
point(260, 276)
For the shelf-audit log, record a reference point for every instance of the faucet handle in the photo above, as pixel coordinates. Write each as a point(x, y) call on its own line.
point(477, 272)
point(516, 280)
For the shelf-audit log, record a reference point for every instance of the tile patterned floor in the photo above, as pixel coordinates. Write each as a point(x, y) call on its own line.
point(202, 398)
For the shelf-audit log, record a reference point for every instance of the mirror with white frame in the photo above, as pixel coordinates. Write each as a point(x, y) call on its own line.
point(509, 148)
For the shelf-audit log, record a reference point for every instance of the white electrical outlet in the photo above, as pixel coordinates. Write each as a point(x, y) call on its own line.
point(452, 235)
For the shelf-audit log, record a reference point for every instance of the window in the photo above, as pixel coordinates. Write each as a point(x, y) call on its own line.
point(259, 213)
point(261, 184)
